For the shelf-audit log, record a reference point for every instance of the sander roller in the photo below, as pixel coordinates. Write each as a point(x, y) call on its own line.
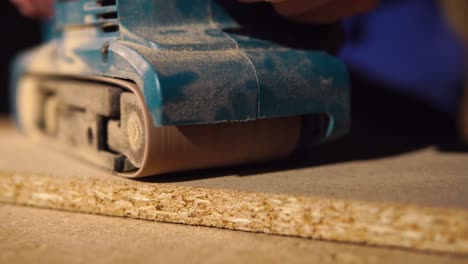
point(146, 87)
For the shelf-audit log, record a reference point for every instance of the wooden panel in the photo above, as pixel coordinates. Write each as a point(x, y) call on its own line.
point(30, 235)
point(414, 200)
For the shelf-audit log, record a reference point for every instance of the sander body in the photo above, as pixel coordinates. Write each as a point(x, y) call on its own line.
point(146, 87)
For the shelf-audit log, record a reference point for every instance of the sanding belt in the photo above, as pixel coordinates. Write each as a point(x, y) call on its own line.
point(180, 148)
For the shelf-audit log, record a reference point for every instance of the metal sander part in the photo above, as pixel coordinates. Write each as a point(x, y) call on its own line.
point(105, 121)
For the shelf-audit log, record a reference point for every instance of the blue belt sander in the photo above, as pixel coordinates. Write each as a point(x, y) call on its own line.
point(146, 87)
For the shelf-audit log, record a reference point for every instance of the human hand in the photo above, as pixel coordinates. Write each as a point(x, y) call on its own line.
point(35, 8)
point(319, 11)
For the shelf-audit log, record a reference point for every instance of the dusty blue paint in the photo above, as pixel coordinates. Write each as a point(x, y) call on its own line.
point(191, 65)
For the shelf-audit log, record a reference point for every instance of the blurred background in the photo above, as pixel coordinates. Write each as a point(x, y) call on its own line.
point(19, 33)
point(407, 67)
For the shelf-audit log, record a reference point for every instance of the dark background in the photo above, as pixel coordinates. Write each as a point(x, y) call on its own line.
point(18, 34)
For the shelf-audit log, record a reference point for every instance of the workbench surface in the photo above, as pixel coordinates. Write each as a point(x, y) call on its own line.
point(415, 200)
point(30, 235)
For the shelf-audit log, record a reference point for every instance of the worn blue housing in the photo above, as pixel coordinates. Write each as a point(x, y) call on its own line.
point(190, 62)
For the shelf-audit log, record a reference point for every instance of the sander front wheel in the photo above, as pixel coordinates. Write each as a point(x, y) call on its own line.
point(105, 121)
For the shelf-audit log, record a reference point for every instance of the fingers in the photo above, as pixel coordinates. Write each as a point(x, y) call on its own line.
point(35, 8)
point(332, 11)
point(292, 8)
point(319, 11)
point(25, 7)
point(46, 8)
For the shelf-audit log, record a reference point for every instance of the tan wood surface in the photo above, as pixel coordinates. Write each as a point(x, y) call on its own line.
point(30, 235)
point(414, 200)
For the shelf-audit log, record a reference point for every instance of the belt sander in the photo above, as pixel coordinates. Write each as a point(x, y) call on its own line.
point(145, 87)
